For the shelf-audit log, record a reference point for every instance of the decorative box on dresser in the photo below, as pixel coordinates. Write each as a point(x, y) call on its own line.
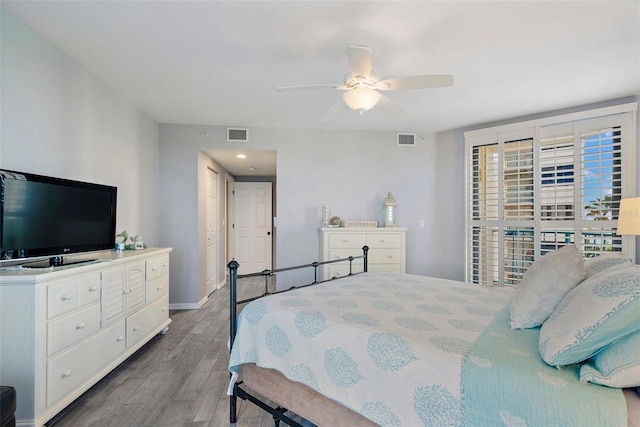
point(386, 249)
point(65, 328)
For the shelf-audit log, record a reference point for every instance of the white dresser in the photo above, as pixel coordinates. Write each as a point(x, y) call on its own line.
point(386, 249)
point(63, 329)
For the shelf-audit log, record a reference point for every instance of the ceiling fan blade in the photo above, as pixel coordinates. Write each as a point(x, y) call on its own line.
point(335, 110)
point(311, 87)
point(359, 61)
point(415, 82)
point(390, 107)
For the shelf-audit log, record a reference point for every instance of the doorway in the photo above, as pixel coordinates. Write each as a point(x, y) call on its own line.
point(253, 229)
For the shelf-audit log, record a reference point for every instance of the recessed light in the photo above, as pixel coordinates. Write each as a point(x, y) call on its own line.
point(241, 156)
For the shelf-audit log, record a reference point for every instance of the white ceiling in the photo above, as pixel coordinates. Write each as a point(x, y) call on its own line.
point(217, 63)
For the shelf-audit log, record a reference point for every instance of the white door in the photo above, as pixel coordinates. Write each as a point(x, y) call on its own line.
point(253, 226)
point(212, 180)
point(231, 207)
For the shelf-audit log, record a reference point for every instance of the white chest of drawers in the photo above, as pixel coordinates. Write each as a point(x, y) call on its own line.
point(386, 249)
point(64, 329)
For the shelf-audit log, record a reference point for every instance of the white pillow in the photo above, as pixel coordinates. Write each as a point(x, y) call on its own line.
point(618, 365)
point(544, 285)
point(603, 262)
point(602, 310)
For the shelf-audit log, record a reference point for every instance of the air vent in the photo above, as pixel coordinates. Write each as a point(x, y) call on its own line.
point(237, 135)
point(406, 139)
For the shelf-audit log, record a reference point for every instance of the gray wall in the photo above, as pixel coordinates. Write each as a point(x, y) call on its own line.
point(350, 171)
point(59, 120)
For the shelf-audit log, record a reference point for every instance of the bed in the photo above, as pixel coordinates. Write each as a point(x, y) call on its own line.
point(404, 350)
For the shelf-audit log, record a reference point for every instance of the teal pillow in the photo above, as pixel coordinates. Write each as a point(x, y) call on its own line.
point(617, 365)
point(599, 311)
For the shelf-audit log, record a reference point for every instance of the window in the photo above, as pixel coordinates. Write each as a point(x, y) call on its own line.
point(534, 187)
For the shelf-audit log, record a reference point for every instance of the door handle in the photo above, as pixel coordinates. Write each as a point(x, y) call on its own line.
point(268, 233)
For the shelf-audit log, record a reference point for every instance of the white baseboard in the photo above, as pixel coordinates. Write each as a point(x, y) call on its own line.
point(195, 306)
point(188, 305)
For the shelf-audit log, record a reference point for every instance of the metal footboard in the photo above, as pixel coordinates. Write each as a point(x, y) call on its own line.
point(278, 413)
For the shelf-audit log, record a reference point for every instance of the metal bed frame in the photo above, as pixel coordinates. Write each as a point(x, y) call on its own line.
point(278, 413)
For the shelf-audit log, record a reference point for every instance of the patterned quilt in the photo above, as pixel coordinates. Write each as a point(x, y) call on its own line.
point(391, 347)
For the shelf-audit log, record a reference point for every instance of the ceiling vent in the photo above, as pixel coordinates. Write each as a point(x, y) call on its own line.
point(237, 135)
point(406, 139)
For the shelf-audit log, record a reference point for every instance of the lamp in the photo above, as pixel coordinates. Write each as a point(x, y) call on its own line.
point(629, 217)
point(361, 98)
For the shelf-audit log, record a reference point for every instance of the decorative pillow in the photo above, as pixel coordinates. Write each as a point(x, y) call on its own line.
point(618, 365)
point(602, 310)
point(603, 262)
point(544, 285)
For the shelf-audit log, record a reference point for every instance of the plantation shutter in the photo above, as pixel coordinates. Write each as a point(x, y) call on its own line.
point(535, 189)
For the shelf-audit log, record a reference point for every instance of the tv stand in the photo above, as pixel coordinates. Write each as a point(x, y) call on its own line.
point(65, 328)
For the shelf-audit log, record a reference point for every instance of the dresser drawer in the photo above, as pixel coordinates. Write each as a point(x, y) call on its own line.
point(70, 294)
point(386, 268)
point(385, 256)
point(63, 332)
point(384, 240)
point(157, 288)
point(157, 267)
point(347, 240)
point(74, 367)
point(143, 322)
point(345, 253)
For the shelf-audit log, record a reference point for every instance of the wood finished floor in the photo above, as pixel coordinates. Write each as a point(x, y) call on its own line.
point(179, 379)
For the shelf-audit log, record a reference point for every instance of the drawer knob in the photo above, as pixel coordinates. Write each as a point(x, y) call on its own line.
point(66, 373)
point(93, 289)
point(345, 241)
point(389, 256)
point(154, 268)
point(120, 338)
point(136, 328)
point(381, 240)
point(126, 291)
point(164, 308)
point(66, 297)
point(80, 325)
point(159, 288)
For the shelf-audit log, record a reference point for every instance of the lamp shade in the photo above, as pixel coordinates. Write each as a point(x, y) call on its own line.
point(629, 217)
point(361, 98)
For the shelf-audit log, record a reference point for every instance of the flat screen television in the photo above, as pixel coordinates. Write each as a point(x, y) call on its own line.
point(43, 216)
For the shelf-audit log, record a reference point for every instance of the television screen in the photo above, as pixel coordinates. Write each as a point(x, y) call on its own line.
point(45, 216)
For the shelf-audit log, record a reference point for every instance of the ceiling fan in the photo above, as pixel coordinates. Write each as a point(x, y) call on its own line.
point(362, 85)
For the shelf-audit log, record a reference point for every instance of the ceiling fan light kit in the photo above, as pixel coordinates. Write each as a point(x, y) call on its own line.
point(361, 98)
point(362, 84)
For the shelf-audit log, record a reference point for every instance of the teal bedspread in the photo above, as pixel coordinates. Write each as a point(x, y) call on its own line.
point(506, 383)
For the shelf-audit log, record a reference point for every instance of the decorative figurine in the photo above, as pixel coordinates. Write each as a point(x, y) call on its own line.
point(120, 246)
point(137, 242)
